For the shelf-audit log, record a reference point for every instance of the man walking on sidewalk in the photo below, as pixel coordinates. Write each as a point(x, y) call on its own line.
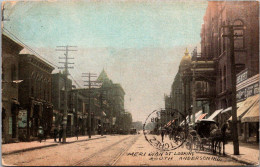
point(77, 132)
point(55, 133)
point(40, 133)
point(60, 133)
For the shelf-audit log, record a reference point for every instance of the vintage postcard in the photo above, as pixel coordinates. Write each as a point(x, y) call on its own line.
point(130, 83)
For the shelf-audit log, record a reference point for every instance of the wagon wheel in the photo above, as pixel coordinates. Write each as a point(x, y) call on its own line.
point(197, 144)
point(189, 143)
point(219, 147)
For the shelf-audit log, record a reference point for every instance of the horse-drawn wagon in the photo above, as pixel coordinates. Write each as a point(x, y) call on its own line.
point(206, 136)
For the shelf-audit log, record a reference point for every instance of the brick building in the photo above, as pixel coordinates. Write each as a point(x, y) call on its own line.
point(244, 15)
point(58, 101)
point(78, 103)
point(215, 47)
point(10, 100)
point(35, 93)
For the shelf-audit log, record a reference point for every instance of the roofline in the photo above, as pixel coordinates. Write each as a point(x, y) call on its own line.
point(41, 60)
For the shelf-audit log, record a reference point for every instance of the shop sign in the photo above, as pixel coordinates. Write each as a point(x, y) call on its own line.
point(248, 91)
point(22, 118)
point(242, 76)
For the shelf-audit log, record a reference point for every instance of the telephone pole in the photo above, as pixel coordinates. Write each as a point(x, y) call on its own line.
point(231, 36)
point(90, 84)
point(3, 15)
point(66, 73)
point(194, 103)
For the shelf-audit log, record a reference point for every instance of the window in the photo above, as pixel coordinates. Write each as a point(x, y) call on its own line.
point(223, 39)
point(3, 74)
point(32, 91)
point(13, 72)
point(225, 78)
point(220, 81)
point(239, 40)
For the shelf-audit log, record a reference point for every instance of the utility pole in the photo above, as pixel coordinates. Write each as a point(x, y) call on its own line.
point(3, 15)
point(66, 73)
point(90, 84)
point(194, 104)
point(231, 36)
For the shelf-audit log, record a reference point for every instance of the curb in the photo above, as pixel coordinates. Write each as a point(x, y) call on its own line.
point(50, 145)
point(242, 160)
point(28, 149)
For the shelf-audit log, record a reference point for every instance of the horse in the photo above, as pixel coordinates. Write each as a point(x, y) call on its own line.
point(218, 136)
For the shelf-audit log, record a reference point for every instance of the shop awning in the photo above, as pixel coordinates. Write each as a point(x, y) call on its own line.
point(169, 123)
point(215, 114)
point(245, 106)
point(196, 116)
point(253, 113)
point(230, 108)
point(201, 117)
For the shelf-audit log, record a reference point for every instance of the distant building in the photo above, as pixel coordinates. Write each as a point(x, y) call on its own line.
point(58, 100)
point(138, 125)
point(10, 99)
point(79, 106)
point(115, 97)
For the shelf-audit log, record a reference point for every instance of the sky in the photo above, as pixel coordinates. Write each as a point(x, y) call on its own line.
point(139, 43)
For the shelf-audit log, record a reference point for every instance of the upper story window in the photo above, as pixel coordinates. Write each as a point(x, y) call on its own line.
point(223, 39)
point(13, 72)
point(225, 78)
point(239, 40)
point(220, 80)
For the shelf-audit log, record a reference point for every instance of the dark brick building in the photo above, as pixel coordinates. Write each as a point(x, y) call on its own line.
point(215, 47)
point(10, 100)
point(35, 93)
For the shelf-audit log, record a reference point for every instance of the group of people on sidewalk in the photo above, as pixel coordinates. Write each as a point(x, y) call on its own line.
point(56, 133)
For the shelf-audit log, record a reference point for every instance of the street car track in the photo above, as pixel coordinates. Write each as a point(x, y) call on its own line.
point(107, 148)
point(114, 161)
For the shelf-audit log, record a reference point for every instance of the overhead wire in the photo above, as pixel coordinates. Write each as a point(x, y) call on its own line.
point(16, 39)
point(11, 35)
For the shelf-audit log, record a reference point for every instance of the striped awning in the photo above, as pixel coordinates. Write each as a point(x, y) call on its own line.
point(215, 114)
point(253, 114)
point(196, 116)
point(246, 105)
point(201, 117)
point(169, 123)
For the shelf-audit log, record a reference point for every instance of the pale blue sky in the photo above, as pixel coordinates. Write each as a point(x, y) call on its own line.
point(138, 43)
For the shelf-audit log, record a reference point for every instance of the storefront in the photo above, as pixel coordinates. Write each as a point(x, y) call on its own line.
point(251, 123)
point(248, 112)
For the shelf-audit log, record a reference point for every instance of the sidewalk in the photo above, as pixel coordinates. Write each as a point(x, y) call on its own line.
point(12, 148)
point(249, 153)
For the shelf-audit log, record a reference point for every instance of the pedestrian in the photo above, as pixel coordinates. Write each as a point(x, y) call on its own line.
point(99, 129)
point(45, 132)
point(55, 133)
point(40, 133)
point(60, 134)
point(162, 134)
point(77, 132)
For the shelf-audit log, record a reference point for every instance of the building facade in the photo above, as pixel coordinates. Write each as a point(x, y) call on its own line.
point(58, 100)
point(35, 93)
point(217, 48)
point(10, 85)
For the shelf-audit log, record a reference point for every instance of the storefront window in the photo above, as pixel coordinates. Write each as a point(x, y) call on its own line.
point(253, 129)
